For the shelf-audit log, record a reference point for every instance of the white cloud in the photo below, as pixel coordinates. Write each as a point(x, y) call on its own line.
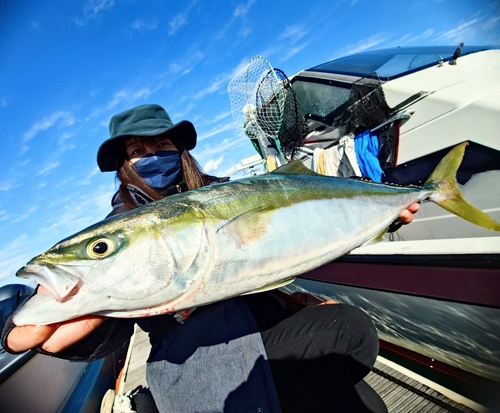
point(48, 168)
point(293, 33)
point(238, 19)
point(245, 31)
point(213, 164)
point(215, 131)
point(176, 23)
point(180, 19)
point(87, 180)
point(64, 137)
point(177, 115)
point(11, 262)
point(5, 186)
point(48, 122)
point(118, 97)
point(490, 23)
point(364, 44)
point(461, 32)
point(243, 9)
point(410, 38)
point(215, 85)
point(144, 26)
point(186, 65)
point(91, 9)
point(27, 214)
point(128, 96)
point(292, 51)
point(221, 116)
point(210, 151)
point(221, 81)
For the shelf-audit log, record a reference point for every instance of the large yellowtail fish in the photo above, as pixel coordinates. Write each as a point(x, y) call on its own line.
point(222, 241)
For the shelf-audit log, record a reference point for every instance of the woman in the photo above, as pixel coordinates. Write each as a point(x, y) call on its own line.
point(260, 353)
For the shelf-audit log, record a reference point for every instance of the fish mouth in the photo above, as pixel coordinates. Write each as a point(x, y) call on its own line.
point(62, 283)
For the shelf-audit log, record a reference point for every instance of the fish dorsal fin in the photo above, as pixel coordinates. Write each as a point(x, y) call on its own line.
point(294, 168)
point(270, 287)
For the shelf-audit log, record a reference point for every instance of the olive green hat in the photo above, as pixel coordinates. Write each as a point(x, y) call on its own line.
point(145, 120)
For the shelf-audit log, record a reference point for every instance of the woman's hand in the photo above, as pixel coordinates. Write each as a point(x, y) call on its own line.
point(407, 215)
point(54, 337)
point(404, 218)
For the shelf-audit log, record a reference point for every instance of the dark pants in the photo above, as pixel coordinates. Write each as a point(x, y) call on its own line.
point(319, 357)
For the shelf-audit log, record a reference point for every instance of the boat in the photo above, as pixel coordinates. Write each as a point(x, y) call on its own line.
point(34, 383)
point(432, 287)
point(416, 103)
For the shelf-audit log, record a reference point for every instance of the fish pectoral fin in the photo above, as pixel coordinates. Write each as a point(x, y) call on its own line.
point(248, 227)
point(270, 287)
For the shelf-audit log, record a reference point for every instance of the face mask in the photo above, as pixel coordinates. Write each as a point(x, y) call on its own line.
point(161, 169)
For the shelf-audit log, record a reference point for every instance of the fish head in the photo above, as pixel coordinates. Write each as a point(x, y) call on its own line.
point(114, 264)
point(64, 268)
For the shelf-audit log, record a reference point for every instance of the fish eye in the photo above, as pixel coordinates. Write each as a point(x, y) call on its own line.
point(100, 248)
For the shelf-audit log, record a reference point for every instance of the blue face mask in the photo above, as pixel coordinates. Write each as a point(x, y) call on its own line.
point(160, 170)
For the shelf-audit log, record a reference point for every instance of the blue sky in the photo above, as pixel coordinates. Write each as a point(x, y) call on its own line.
point(66, 67)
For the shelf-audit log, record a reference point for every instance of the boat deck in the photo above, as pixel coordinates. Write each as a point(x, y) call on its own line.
point(400, 392)
point(135, 365)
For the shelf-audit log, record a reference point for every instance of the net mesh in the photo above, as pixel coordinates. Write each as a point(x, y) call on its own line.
point(264, 106)
point(366, 107)
point(293, 126)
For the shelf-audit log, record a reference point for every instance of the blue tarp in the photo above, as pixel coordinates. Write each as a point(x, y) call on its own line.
point(366, 147)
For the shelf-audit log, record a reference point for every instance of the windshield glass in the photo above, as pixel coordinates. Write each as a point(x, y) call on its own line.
point(319, 99)
point(394, 62)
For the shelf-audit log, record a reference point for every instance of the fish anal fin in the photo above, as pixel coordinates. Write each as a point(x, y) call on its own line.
point(376, 239)
point(270, 287)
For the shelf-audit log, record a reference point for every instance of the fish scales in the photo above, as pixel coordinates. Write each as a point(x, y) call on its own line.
point(221, 241)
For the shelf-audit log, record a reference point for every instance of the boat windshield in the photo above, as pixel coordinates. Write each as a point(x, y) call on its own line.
point(319, 98)
point(395, 62)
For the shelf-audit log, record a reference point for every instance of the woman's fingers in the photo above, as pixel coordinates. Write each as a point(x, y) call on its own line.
point(413, 208)
point(71, 332)
point(54, 337)
point(407, 215)
point(26, 337)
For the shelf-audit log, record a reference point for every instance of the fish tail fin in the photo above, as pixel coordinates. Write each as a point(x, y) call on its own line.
point(449, 196)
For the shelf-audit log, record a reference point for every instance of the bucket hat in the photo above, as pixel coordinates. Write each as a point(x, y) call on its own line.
point(145, 120)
